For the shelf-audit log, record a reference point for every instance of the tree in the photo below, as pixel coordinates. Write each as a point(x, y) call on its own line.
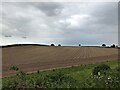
point(116, 46)
point(79, 44)
point(104, 45)
point(52, 45)
point(59, 44)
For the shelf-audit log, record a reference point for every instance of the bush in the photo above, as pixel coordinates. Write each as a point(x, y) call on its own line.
point(100, 69)
point(52, 80)
point(14, 68)
point(58, 79)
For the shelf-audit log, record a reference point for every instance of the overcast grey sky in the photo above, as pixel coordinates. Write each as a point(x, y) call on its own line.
point(65, 23)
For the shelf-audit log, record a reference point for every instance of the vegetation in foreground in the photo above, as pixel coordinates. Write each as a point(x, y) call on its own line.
point(99, 75)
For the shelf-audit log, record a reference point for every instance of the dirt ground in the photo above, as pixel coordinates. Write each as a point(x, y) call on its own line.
point(33, 58)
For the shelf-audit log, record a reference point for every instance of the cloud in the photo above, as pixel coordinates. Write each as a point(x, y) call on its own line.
point(65, 23)
point(49, 8)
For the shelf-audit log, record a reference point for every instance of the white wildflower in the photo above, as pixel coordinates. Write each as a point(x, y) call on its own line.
point(109, 78)
point(99, 73)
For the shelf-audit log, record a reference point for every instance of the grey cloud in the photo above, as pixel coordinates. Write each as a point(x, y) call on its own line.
point(106, 13)
point(49, 8)
point(103, 19)
point(65, 23)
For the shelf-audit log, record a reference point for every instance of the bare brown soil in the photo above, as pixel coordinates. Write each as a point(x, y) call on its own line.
point(33, 58)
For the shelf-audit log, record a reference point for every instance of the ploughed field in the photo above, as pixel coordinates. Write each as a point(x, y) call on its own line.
point(32, 58)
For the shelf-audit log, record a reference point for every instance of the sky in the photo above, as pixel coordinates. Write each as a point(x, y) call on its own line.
point(87, 23)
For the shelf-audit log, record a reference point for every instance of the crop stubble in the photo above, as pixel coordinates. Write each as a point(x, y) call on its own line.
point(32, 58)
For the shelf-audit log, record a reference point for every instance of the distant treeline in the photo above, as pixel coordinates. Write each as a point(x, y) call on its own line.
point(13, 45)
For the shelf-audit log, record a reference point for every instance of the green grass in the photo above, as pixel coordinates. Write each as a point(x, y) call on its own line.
point(74, 76)
point(0, 83)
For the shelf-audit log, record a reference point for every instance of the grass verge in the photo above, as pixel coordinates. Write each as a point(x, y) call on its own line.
point(70, 77)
